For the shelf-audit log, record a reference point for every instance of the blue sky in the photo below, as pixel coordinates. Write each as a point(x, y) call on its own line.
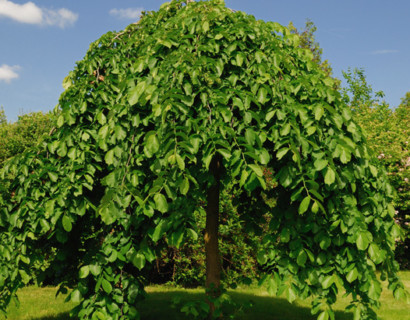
point(41, 40)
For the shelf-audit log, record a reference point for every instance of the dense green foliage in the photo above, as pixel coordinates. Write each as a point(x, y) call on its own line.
point(27, 131)
point(126, 172)
point(16, 137)
point(388, 135)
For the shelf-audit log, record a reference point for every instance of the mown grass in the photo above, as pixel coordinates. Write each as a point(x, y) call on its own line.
point(41, 304)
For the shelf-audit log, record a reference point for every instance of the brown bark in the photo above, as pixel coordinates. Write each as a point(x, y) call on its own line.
point(213, 261)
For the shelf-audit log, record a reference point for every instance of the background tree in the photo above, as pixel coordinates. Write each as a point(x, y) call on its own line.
point(16, 137)
point(27, 131)
point(388, 133)
point(308, 41)
point(155, 120)
point(3, 118)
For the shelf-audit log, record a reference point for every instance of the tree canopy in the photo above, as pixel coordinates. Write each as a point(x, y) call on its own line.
point(145, 119)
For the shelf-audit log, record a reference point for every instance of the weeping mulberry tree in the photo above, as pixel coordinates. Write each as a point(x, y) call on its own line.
point(154, 122)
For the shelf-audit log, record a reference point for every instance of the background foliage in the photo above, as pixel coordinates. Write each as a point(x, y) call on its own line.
point(26, 132)
point(388, 134)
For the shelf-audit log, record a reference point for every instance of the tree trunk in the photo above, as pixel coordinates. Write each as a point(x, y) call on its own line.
point(213, 261)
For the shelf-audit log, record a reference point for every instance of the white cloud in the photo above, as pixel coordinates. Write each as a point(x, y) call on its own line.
point(8, 73)
point(62, 17)
point(386, 51)
point(30, 13)
point(130, 13)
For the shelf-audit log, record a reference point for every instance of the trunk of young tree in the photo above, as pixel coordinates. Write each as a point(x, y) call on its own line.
point(213, 261)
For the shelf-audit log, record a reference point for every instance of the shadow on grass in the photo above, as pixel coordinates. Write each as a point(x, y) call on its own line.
point(60, 316)
point(158, 306)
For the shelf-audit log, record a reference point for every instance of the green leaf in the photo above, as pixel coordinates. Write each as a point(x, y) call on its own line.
point(362, 241)
point(352, 275)
point(95, 269)
point(151, 144)
point(101, 118)
point(304, 205)
point(272, 286)
point(320, 164)
point(53, 176)
point(373, 170)
point(176, 238)
point(264, 157)
point(158, 231)
point(328, 281)
point(106, 286)
point(205, 26)
point(375, 290)
point(250, 136)
point(109, 157)
point(67, 83)
point(180, 161)
point(192, 234)
point(67, 223)
point(25, 278)
point(262, 94)
point(324, 315)
point(262, 258)
point(225, 153)
point(302, 258)
point(255, 168)
point(285, 235)
point(284, 131)
point(139, 260)
point(76, 296)
point(60, 121)
point(374, 252)
point(135, 93)
point(184, 186)
point(290, 294)
point(281, 153)
point(239, 59)
point(161, 202)
point(330, 176)
point(244, 177)
point(319, 112)
point(84, 272)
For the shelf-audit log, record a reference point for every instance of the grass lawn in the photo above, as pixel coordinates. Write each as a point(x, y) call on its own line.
point(41, 304)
